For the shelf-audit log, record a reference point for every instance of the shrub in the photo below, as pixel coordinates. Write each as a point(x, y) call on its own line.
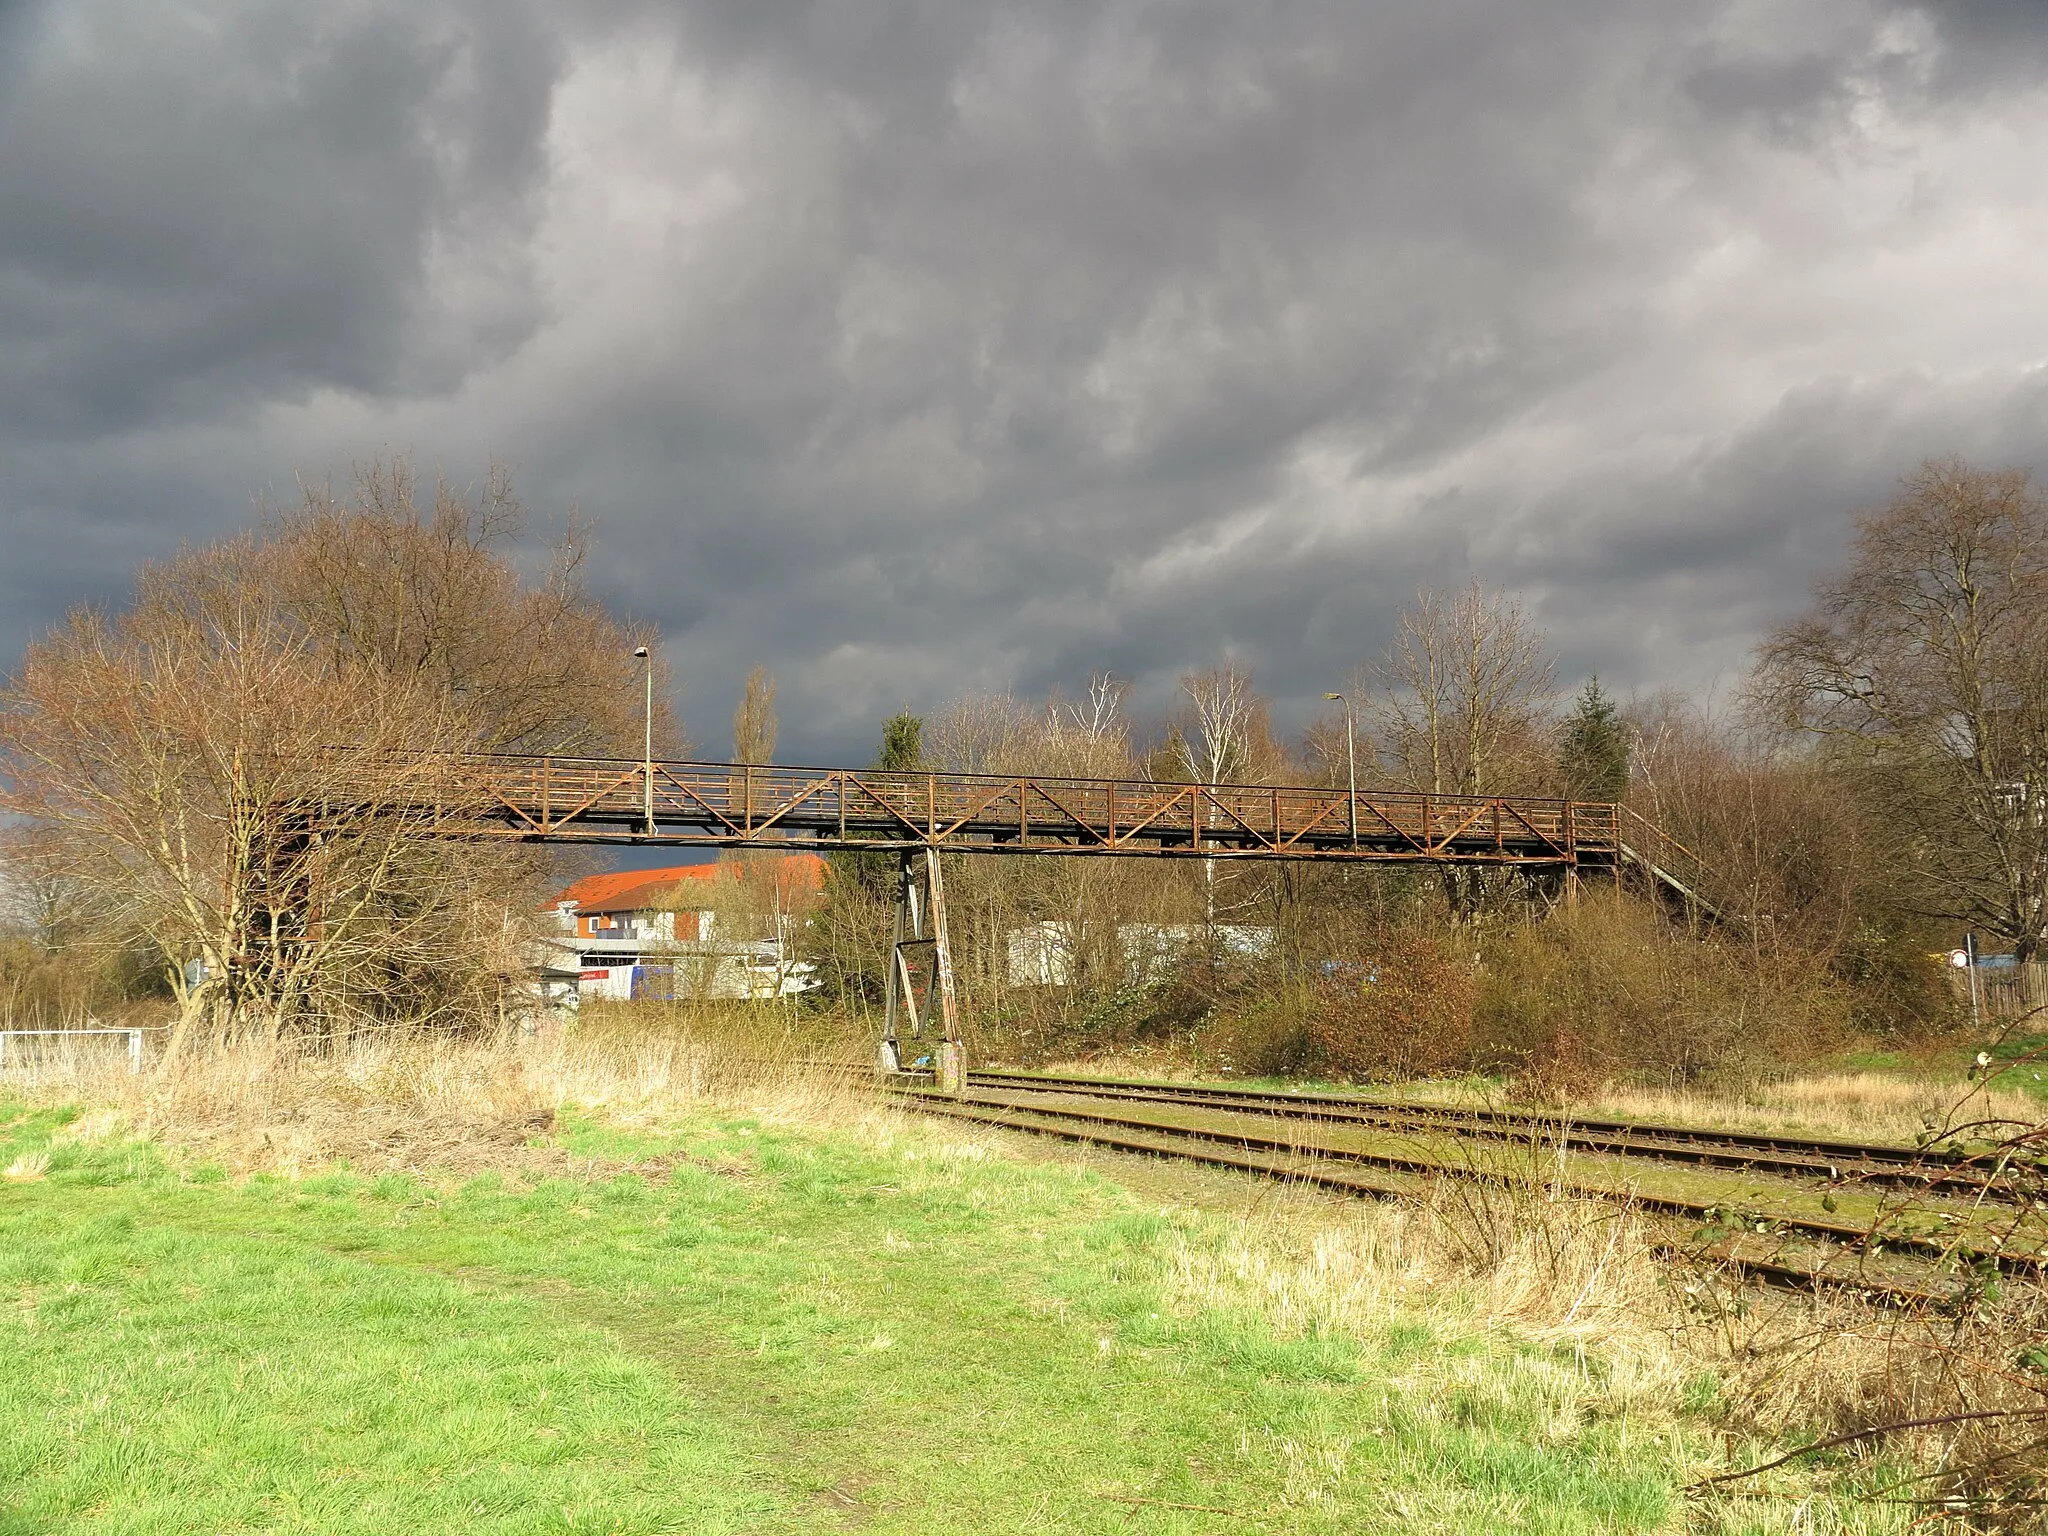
point(1406, 1010)
point(44, 989)
point(1263, 1033)
point(1614, 991)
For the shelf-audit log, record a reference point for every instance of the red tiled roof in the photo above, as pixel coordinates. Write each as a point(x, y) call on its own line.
point(639, 890)
point(596, 893)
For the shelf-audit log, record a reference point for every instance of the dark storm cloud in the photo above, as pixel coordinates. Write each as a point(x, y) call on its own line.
point(199, 210)
point(917, 348)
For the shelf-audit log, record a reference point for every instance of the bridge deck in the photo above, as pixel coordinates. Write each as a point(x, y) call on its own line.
point(730, 805)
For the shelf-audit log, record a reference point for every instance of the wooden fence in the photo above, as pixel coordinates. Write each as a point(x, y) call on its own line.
point(2009, 992)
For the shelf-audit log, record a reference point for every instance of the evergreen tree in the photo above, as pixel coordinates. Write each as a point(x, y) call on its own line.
point(902, 751)
point(1594, 752)
point(902, 743)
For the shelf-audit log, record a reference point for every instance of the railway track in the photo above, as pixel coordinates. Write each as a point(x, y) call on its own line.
point(1908, 1266)
point(1841, 1163)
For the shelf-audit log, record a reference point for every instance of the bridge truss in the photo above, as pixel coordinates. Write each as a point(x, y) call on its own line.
point(740, 805)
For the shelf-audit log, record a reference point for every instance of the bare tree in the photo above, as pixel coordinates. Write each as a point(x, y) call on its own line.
point(1097, 720)
point(40, 895)
point(755, 912)
point(423, 586)
point(1221, 736)
point(1779, 843)
point(184, 760)
point(1068, 909)
point(980, 733)
point(1463, 693)
point(752, 872)
point(753, 722)
point(1802, 869)
point(1213, 738)
point(1085, 905)
point(1925, 665)
point(244, 765)
point(1460, 706)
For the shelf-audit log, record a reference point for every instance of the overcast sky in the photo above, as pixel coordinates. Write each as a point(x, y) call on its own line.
point(917, 349)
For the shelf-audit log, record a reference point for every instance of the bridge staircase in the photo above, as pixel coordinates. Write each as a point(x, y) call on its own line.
point(1640, 852)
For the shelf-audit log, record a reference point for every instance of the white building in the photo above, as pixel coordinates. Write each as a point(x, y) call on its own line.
point(1042, 954)
point(724, 930)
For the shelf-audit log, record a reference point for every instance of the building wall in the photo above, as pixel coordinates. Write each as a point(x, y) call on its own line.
point(1041, 954)
point(727, 977)
point(649, 925)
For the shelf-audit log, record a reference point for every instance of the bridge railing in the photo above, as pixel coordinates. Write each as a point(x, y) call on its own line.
point(1663, 858)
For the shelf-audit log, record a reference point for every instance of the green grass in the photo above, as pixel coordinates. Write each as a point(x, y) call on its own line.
point(2019, 1061)
point(760, 1330)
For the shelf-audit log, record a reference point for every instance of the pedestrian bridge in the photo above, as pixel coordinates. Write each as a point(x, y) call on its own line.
point(743, 805)
point(921, 815)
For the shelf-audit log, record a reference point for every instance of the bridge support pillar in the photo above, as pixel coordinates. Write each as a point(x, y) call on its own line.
point(920, 997)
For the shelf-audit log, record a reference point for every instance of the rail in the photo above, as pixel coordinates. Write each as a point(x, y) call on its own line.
point(1662, 859)
point(1978, 1175)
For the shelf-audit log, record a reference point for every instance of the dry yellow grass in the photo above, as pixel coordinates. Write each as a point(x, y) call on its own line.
point(1583, 1276)
point(26, 1168)
point(1861, 1106)
point(1628, 1332)
point(434, 1103)
point(1587, 1279)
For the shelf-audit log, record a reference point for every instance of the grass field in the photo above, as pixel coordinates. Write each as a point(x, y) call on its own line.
point(722, 1324)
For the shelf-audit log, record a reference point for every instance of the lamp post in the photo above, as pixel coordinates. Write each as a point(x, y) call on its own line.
point(1350, 760)
point(647, 740)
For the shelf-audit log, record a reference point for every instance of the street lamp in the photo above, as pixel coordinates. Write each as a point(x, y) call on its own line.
point(1350, 760)
point(647, 747)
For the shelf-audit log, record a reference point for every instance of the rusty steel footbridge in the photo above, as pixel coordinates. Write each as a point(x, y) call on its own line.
point(922, 814)
point(745, 805)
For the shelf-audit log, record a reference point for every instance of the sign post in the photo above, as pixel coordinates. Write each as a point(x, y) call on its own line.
point(1969, 954)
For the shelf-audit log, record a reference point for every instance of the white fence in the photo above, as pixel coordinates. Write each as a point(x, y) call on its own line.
point(56, 1047)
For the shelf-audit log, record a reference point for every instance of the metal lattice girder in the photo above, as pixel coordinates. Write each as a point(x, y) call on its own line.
point(735, 805)
point(919, 998)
